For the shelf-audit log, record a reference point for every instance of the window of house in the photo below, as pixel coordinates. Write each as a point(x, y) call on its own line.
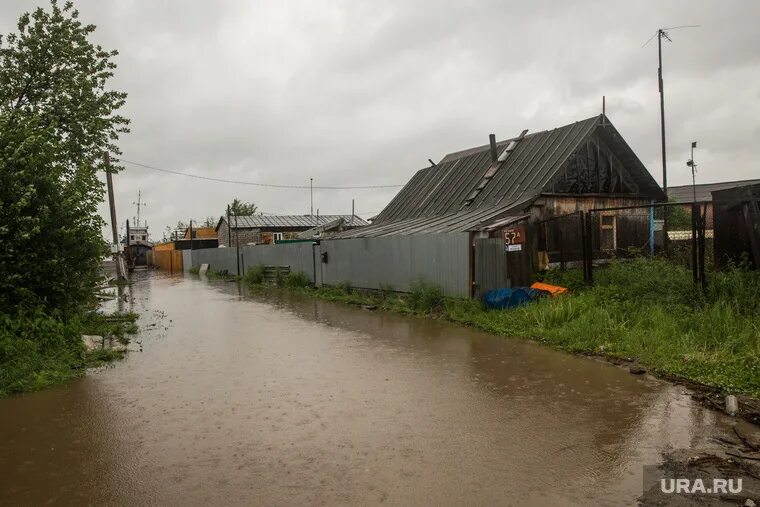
point(131, 237)
point(144, 237)
point(608, 236)
point(277, 236)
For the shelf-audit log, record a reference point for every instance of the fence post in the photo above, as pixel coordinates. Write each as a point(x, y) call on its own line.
point(651, 228)
point(586, 244)
point(702, 247)
point(314, 263)
point(590, 249)
point(694, 242)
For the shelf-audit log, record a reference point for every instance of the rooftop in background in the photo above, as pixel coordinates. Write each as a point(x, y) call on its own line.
point(292, 221)
point(685, 193)
point(201, 232)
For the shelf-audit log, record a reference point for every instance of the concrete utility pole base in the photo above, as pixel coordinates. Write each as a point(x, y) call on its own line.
point(118, 260)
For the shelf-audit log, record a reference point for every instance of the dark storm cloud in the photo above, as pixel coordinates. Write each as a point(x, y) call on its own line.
point(361, 92)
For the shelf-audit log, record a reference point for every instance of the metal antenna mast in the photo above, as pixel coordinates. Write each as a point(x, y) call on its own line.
point(139, 205)
point(662, 33)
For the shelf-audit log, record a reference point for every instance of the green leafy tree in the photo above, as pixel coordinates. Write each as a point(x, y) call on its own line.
point(679, 219)
point(57, 116)
point(241, 208)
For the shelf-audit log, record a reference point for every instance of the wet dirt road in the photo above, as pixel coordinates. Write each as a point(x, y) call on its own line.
point(280, 400)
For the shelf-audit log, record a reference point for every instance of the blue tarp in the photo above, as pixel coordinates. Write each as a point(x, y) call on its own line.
point(500, 299)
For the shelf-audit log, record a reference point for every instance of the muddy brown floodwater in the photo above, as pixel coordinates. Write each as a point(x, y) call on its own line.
point(277, 399)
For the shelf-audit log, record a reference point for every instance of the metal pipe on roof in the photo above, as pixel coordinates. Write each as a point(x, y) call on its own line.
point(492, 141)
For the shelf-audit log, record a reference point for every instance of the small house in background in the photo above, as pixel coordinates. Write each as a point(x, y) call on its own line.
point(269, 229)
point(704, 192)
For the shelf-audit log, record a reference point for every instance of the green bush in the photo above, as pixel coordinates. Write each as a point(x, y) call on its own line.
point(297, 279)
point(36, 351)
point(194, 270)
point(424, 297)
point(254, 275)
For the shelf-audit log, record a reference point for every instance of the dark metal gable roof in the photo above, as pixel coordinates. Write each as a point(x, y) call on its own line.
point(443, 188)
point(536, 158)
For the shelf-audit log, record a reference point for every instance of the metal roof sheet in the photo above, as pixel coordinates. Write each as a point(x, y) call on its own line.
point(444, 189)
point(685, 193)
point(293, 221)
point(458, 221)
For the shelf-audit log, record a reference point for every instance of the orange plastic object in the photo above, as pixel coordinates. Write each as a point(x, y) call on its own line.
point(554, 290)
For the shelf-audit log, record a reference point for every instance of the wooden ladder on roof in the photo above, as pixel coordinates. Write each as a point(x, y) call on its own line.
point(494, 168)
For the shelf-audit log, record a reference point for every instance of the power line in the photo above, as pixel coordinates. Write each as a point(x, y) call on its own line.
point(236, 182)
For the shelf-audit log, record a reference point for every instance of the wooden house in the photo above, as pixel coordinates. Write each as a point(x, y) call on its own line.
point(531, 187)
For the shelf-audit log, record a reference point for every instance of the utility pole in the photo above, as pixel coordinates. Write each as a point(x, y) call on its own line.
point(660, 34)
point(127, 242)
point(229, 234)
point(311, 196)
point(352, 213)
point(112, 206)
point(237, 245)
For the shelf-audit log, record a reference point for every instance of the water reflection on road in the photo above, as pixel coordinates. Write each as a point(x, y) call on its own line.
point(279, 399)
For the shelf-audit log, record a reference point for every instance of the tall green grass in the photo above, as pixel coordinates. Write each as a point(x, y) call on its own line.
point(651, 311)
point(38, 350)
point(254, 275)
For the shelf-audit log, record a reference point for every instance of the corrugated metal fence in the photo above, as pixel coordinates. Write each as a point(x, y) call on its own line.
point(397, 261)
point(373, 263)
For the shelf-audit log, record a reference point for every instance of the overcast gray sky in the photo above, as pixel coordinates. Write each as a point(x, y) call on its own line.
point(363, 92)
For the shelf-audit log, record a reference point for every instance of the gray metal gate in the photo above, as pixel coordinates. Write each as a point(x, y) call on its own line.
point(490, 265)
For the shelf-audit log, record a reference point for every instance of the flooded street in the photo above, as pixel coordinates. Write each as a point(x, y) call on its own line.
point(272, 398)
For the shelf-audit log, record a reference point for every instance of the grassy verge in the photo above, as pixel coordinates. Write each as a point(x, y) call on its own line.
point(38, 350)
point(644, 310)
